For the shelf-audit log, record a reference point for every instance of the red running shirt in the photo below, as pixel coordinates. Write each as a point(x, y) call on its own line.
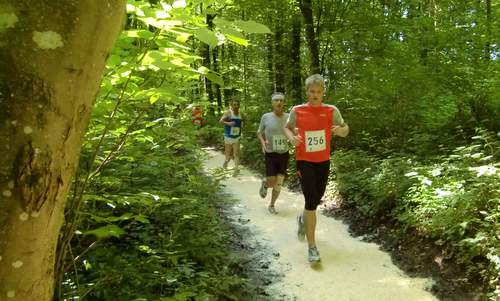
point(315, 128)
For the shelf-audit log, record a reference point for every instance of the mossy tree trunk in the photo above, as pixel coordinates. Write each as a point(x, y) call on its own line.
point(52, 55)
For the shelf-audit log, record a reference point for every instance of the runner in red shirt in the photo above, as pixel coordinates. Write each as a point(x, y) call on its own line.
point(309, 128)
point(197, 116)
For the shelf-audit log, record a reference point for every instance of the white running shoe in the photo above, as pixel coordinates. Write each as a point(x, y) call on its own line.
point(313, 254)
point(263, 189)
point(272, 210)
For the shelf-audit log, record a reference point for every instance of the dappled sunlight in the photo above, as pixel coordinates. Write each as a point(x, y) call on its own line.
point(350, 269)
point(403, 283)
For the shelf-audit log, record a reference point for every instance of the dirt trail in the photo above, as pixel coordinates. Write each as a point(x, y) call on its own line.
point(351, 270)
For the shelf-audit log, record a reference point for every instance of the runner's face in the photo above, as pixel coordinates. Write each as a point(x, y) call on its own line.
point(315, 94)
point(235, 106)
point(278, 105)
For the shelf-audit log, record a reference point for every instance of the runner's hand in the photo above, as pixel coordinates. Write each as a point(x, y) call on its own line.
point(264, 147)
point(230, 123)
point(336, 130)
point(296, 140)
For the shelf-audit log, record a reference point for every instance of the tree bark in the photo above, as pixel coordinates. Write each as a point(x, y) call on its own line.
point(218, 93)
point(312, 41)
point(270, 62)
point(279, 64)
point(52, 57)
point(207, 61)
point(295, 91)
point(207, 64)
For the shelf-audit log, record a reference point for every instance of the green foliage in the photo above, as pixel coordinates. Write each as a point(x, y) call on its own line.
point(413, 80)
point(369, 184)
point(146, 225)
point(155, 222)
point(453, 200)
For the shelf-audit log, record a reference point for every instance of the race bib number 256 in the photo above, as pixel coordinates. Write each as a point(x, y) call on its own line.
point(315, 141)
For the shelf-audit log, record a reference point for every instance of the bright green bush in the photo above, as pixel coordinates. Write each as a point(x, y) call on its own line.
point(152, 225)
point(452, 200)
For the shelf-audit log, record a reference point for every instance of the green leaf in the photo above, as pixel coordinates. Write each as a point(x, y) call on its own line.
point(154, 98)
point(7, 20)
point(110, 219)
point(141, 218)
point(233, 35)
point(252, 27)
point(113, 60)
point(215, 78)
point(106, 231)
point(237, 40)
point(138, 33)
point(206, 36)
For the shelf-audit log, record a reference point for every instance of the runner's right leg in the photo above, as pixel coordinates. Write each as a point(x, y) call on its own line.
point(227, 153)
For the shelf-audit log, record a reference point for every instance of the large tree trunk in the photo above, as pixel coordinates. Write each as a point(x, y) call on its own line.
point(52, 55)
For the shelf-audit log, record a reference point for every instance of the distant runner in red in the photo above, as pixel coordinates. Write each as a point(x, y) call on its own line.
point(309, 128)
point(197, 116)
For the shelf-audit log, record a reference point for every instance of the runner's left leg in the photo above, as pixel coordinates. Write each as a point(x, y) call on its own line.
point(236, 154)
point(278, 182)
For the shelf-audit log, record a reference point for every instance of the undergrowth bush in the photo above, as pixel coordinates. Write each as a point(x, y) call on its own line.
point(453, 199)
point(149, 229)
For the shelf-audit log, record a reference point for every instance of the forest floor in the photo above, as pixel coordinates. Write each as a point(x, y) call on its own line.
point(411, 253)
point(351, 269)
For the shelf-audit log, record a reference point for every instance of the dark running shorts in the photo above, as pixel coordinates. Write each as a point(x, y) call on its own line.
point(313, 178)
point(276, 164)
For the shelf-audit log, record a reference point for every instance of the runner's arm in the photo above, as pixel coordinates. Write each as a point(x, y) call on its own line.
point(260, 132)
point(223, 119)
point(340, 128)
point(290, 131)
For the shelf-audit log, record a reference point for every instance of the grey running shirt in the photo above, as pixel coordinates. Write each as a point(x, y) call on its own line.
point(271, 127)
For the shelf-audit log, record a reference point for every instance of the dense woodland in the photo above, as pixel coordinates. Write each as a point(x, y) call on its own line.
point(417, 82)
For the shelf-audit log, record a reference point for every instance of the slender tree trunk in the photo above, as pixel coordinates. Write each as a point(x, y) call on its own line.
point(295, 91)
point(312, 41)
point(218, 93)
point(489, 49)
point(226, 59)
point(279, 59)
point(207, 61)
point(270, 62)
point(51, 62)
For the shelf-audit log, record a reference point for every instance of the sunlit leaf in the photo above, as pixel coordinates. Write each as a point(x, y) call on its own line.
point(252, 27)
point(153, 99)
point(215, 78)
point(237, 40)
point(106, 231)
point(206, 36)
point(138, 33)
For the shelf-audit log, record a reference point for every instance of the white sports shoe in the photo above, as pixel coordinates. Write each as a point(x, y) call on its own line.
point(313, 254)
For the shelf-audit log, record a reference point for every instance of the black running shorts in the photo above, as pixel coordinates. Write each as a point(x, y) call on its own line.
point(276, 164)
point(313, 178)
